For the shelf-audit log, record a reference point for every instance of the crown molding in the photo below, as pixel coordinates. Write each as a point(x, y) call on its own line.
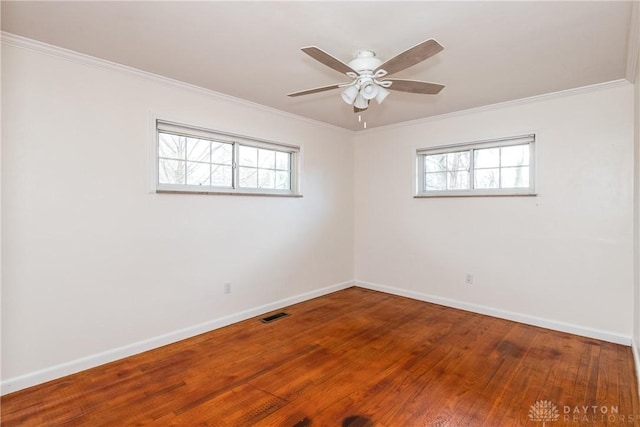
point(14, 40)
point(500, 105)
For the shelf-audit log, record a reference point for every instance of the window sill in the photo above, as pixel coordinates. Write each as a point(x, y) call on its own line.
point(230, 193)
point(444, 195)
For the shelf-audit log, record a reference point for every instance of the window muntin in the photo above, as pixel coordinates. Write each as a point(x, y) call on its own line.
point(197, 160)
point(502, 167)
point(263, 168)
point(447, 171)
point(184, 160)
point(497, 167)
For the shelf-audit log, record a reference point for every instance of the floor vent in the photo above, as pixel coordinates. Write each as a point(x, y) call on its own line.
point(274, 317)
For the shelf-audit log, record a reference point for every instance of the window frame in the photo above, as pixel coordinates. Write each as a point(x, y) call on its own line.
point(530, 139)
point(175, 128)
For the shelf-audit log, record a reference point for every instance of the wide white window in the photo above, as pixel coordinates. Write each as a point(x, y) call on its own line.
point(497, 167)
point(191, 159)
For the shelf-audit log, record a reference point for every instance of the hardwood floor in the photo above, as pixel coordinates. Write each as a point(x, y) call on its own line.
point(351, 358)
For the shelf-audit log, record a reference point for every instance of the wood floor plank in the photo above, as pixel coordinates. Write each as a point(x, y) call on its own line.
point(351, 358)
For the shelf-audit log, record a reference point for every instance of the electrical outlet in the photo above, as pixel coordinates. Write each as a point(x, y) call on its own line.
point(227, 287)
point(468, 279)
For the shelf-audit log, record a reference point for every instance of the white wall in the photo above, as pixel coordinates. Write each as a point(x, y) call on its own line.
point(636, 115)
point(93, 261)
point(636, 318)
point(562, 259)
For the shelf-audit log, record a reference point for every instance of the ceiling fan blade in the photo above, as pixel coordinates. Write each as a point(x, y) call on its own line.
point(328, 60)
point(315, 90)
point(411, 56)
point(414, 86)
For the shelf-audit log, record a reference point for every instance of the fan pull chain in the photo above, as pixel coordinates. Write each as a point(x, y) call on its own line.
point(360, 120)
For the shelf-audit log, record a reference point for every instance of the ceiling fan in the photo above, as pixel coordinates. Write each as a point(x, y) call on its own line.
point(370, 75)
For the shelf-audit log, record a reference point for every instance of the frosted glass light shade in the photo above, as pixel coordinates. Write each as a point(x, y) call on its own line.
point(361, 102)
point(349, 94)
point(382, 94)
point(369, 90)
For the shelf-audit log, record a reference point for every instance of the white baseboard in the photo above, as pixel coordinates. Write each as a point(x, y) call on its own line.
point(636, 358)
point(503, 314)
point(77, 365)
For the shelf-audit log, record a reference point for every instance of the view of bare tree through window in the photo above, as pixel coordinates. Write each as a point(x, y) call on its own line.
point(492, 168)
point(195, 159)
point(514, 165)
point(262, 168)
point(487, 168)
point(502, 167)
point(447, 171)
point(192, 161)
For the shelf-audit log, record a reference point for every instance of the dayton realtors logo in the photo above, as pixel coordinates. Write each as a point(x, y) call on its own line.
point(546, 411)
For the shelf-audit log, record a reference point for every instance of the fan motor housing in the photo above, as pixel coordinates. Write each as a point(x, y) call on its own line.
point(365, 61)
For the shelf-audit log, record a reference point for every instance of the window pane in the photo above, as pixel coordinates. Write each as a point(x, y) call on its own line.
point(487, 178)
point(198, 173)
point(266, 178)
point(283, 180)
point(458, 180)
point(221, 176)
point(221, 153)
point(282, 160)
point(435, 163)
point(198, 150)
point(248, 156)
point(458, 161)
point(435, 181)
point(172, 146)
point(248, 177)
point(487, 158)
point(517, 155)
point(171, 171)
point(515, 177)
point(266, 159)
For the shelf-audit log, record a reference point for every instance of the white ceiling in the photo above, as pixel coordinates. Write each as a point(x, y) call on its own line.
point(494, 51)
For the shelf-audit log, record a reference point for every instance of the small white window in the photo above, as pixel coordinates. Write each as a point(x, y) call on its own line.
point(191, 159)
point(488, 168)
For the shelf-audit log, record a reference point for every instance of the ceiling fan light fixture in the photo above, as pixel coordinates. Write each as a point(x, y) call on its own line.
point(369, 90)
point(361, 102)
point(349, 94)
point(382, 94)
